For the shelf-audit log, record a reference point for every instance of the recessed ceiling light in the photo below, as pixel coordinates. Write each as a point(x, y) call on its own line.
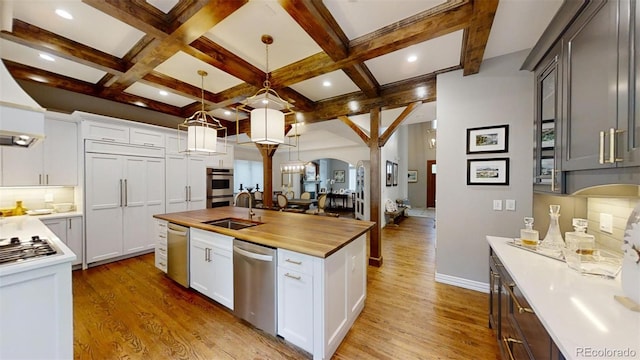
point(47, 57)
point(265, 101)
point(412, 58)
point(227, 112)
point(64, 14)
point(163, 93)
point(326, 83)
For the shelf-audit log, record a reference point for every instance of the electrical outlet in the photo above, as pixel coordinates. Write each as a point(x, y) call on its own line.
point(510, 205)
point(497, 205)
point(606, 223)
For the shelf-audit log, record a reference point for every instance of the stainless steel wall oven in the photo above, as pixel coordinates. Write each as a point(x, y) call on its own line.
point(219, 187)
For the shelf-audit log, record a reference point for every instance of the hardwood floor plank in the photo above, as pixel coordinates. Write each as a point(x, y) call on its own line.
point(130, 310)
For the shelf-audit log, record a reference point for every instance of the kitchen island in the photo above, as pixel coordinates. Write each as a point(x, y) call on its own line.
point(321, 269)
point(36, 316)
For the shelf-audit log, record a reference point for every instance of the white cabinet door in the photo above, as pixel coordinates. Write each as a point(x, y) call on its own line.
point(197, 182)
point(60, 153)
point(104, 199)
point(176, 183)
point(356, 275)
point(74, 237)
point(155, 197)
point(146, 137)
point(98, 130)
point(295, 307)
point(69, 230)
point(200, 266)
point(135, 221)
point(222, 275)
point(23, 166)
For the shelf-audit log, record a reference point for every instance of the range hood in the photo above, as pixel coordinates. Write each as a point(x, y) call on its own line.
point(21, 118)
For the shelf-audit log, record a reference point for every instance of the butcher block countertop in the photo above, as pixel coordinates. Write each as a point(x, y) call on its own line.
point(318, 236)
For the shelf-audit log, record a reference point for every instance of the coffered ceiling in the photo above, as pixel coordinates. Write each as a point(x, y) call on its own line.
point(329, 58)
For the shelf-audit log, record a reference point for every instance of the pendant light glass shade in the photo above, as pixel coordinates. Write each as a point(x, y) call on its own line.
point(202, 131)
point(267, 109)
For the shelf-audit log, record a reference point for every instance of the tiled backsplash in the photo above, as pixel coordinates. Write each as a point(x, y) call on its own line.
point(34, 198)
point(620, 209)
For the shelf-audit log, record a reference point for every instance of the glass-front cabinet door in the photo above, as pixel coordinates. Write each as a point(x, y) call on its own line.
point(547, 174)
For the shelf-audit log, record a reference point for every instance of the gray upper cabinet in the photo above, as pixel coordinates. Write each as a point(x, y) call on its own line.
point(591, 91)
point(547, 163)
point(590, 50)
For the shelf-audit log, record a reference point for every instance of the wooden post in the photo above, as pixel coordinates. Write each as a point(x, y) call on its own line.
point(375, 244)
point(267, 152)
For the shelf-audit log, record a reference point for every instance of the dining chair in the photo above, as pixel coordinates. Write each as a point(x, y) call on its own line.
point(290, 194)
point(283, 202)
point(257, 196)
point(305, 195)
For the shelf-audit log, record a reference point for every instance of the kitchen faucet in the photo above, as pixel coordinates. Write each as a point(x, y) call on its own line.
point(251, 213)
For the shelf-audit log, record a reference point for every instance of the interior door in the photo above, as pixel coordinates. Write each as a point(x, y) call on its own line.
point(431, 183)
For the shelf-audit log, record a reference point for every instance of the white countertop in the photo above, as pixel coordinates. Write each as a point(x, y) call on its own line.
point(26, 226)
point(578, 311)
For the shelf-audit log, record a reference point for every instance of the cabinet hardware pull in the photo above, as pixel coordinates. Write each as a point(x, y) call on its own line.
point(108, 139)
point(189, 192)
point(516, 302)
point(294, 262)
point(69, 220)
point(553, 179)
point(120, 192)
point(126, 192)
point(162, 264)
point(506, 342)
point(206, 254)
point(186, 193)
point(601, 148)
point(39, 179)
point(47, 179)
point(293, 276)
point(148, 144)
point(613, 145)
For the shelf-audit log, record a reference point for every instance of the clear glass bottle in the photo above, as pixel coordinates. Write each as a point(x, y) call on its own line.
point(581, 247)
point(528, 236)
point(553, 240)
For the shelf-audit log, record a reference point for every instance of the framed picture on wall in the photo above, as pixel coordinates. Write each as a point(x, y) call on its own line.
point(338, 176)
point(412, 176)
point(389, 173)
point(395, 174)
point(488, 139)
point(488, 171)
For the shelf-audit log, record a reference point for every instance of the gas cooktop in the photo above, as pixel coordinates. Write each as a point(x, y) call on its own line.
point(15, 249)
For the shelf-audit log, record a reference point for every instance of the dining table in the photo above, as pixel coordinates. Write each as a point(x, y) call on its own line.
point(302, 203)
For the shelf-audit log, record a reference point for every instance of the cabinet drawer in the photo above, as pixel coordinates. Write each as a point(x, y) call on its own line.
point(146, 137)
point(295, 261)
point(161, 260)
point(528, 324)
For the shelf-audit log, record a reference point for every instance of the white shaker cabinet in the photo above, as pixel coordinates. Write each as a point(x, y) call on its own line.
point(161, 245)
point(50, 161)
point(186, 183)
point(122, 194)
point(69, 230)
point(211, 265)
point(319, 299)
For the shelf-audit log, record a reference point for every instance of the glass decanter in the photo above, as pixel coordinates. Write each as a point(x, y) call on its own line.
point(529, 236)
point(553, 240)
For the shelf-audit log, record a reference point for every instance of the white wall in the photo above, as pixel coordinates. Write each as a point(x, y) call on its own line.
point(498, 94)
point(417, 160)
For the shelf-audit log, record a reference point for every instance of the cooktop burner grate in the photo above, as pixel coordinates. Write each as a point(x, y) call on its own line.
point(13, 249)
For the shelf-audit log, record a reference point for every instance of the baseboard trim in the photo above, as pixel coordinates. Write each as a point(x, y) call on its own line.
point(463, 283)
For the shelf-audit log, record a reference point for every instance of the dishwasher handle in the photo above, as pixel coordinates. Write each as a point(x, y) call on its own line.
point(252, 255)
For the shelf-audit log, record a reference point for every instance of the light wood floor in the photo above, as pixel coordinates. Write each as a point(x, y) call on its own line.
point(129, 310)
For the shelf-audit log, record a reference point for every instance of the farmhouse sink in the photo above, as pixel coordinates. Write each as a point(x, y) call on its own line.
point(232, 223)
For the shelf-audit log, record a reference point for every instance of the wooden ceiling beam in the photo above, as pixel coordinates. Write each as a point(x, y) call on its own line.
point(363, 135)
point(202, 20)
point(131, 13)
point(477, 35)
point(397, 122)
point(419, 89)
point(43, 40)
point(362, 77)
point(314, 18)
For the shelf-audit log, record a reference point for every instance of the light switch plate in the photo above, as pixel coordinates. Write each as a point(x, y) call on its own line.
point(606, 223)
point(497, 205)
point(510, 205)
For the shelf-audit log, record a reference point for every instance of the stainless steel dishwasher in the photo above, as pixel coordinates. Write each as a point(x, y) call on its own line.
point(254, 284)
point(178, 253)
